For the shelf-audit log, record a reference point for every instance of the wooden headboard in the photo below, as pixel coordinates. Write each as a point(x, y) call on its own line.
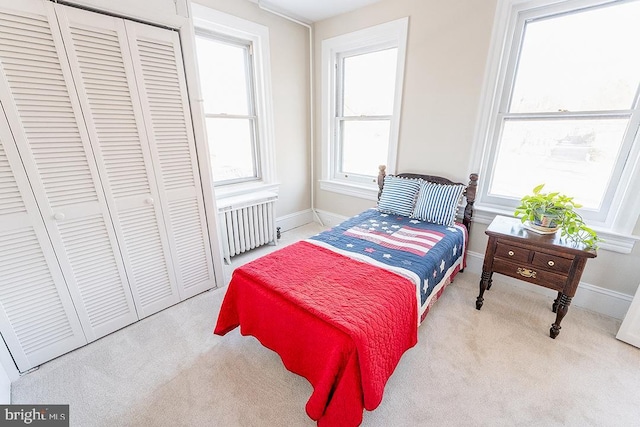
point(469, 191)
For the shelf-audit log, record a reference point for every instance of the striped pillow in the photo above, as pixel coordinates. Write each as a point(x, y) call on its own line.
point(438, 203)
point(398, 195)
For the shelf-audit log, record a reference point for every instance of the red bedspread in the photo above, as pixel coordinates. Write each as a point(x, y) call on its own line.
point(340, 323)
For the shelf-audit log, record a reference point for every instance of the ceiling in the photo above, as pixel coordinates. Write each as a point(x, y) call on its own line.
point(313, 10)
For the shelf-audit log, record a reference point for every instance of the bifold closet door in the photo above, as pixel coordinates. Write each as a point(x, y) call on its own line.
point(47, 124)
point(100, 61)
point(37, 319)
point(159, 70)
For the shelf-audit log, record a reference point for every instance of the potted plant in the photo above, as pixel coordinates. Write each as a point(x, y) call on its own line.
point(548, 212)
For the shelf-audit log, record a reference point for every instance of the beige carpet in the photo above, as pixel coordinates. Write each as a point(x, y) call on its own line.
point(492, 367)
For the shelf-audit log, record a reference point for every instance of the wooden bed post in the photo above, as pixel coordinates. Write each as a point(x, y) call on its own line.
point(470, 194)
point(382, 172)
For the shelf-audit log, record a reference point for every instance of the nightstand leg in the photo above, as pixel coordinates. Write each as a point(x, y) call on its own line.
point(485, 283)
point(564, 301)
point(556, 301)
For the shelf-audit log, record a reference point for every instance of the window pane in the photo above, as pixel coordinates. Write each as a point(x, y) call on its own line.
point(364, 146)
point(223, 76)
point(369, 83)
point(231, 144)
point(576, 157)
point(584, 61)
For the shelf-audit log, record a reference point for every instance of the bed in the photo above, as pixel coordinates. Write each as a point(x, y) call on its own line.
point(341, 307)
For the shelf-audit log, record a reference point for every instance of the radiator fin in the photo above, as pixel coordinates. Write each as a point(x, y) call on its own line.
point(247, 226)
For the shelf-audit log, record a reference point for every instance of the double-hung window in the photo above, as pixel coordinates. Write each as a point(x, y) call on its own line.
point(565, 109)
point(226, 81)
point(365, 91)
point(233, 69)
point(362, 85)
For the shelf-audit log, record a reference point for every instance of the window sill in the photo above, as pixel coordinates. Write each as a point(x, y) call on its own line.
point(612, 240)
point(363, 191)
point(239, 190)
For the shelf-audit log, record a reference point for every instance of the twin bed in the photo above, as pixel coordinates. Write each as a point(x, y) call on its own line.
point(341, 307)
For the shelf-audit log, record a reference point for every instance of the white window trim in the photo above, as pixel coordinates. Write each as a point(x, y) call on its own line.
point(617, 229)
point(218, 22)
point(392, 34)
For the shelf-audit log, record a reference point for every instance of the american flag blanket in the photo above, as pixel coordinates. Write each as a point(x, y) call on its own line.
point(427, 254)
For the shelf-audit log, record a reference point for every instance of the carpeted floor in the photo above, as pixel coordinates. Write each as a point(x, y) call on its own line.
point(495, 367)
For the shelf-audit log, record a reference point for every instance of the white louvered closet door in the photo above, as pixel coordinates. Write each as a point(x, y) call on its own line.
point(37, 319)
point(161, 81)
point(46, 121)
point(101, 64)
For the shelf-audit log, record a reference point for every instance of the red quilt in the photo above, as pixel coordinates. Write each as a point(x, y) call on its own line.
point(340, 323)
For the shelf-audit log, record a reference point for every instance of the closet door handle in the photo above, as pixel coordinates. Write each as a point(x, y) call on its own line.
point(59, 216)
point(149, 200)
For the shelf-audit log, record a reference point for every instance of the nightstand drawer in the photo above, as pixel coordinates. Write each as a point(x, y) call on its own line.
point(551, 262)
point(513, 253)
point(531, 274)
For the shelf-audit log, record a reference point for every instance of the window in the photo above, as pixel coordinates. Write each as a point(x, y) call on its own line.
point(362, 83)
point(233, 68)
point(226, 80)
point(566, 109)
point(365, 94)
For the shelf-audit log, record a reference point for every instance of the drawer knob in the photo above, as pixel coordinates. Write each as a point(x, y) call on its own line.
point(525, 272)
point(511, 253)
point(551, 263)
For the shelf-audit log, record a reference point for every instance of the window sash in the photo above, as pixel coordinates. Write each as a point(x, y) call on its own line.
point(536, 15)
point(340, 73)
point(340, 173)
point(254, 146)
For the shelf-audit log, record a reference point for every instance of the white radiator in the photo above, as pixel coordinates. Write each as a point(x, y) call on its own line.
point(247, 222)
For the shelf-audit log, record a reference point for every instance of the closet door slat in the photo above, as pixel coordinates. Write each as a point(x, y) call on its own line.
point(160, 75)
point(100, 61)
point(33, 294)
point(69, 215)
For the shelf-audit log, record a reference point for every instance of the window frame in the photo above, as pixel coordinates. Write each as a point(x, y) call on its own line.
point(511, 15)
point(251, 102)
point(222, 26)
point(373, 39)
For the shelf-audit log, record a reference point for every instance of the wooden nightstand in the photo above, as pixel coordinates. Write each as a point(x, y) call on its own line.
point(544, 260)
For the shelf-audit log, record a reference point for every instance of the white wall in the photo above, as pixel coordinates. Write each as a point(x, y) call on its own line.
point(447, 53)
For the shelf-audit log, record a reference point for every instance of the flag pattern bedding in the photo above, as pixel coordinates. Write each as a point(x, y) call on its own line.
point(427, 254)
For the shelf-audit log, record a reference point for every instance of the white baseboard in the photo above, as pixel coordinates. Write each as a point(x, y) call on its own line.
point(294, 220)
point(592, 297)
point(330, 219)
point(298, 219)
